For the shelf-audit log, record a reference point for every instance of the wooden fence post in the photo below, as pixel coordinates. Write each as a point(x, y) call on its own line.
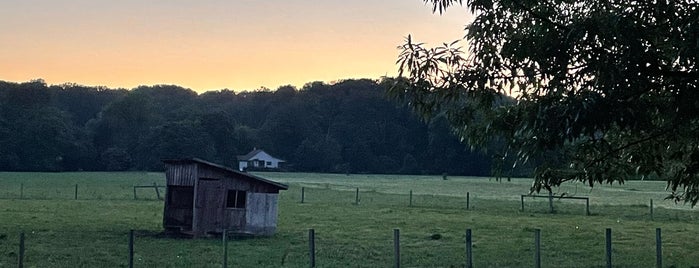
point(396, 247)
point(469, 249)
point(20, 257)
point(131, 248)
point(551, 201)
point(76, 191)
point(157, 192)
point(312, 247)
point(225, 248)
point(468, 201)
point(537, 248)
point(658, 249)
point(303, 193)
point(608, 242)
point(587, 206)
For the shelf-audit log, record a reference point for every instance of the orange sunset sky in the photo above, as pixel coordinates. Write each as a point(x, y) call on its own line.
point(212, 44)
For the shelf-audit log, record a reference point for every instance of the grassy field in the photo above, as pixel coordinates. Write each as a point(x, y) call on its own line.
point(92, 231)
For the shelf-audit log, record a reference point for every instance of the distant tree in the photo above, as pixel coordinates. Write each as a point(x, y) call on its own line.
point(220, 127)
point(37, 135)
point(116, 159)
point(319, 155)
point(172, 140)
point(610, 86)
point(344, 126)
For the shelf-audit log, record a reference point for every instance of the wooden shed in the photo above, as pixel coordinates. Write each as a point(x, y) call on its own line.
point(204, 197)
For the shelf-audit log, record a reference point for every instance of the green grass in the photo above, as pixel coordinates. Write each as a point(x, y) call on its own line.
point(92, 231)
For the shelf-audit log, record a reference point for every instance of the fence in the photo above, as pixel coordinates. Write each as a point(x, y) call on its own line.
point(312, 194)
point(82, 192)
point(469, 257)
point(356, 196)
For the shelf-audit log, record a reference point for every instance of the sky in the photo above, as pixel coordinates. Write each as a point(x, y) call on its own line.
point(212, 44)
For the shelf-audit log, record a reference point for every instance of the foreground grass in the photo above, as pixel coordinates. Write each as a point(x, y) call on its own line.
point(62, 232)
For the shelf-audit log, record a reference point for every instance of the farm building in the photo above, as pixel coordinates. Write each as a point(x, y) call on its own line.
point(203, 197)
point(259, 159)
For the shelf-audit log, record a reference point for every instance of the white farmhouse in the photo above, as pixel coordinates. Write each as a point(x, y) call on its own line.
point(258, 159)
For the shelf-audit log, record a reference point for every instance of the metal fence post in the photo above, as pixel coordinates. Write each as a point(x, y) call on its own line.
point(469, 249)
point(356, 197)
point(20, 258)
point(396, 247)
point(537, 248)
point(608, 242)
point(651, 209)
point(76, 191)
point(303, 193)
point(312, 247)
point(131, 238)
point(658, 249)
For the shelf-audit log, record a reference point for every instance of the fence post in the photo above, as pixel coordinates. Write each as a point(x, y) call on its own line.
point(157, 192)
point(134, 193)
point(225, 248)
point(20, 258)
point(303, 193)
point(608, 242)
point(396, 247)
point(468, 201)
point(651, 208)
point(551, 201)
point(411, 198)
point(76, 191)
point(658, 249)
point(469, 249)
point(312, 247)
point(522, 199)
point(587, 206)
point(356, 197)
point(21, 191)
point(131, 248)
point(537, 248)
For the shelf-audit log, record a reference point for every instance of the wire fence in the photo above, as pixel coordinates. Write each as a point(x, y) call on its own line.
point(142, 248)
point(347, 195)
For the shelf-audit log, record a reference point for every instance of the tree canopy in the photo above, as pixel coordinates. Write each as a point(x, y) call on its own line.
point(348, 126)
point(590, 91)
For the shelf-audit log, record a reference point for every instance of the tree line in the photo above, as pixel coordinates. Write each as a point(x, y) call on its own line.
point(345, 127)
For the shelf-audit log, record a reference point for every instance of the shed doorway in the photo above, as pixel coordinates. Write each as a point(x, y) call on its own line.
point(209, 204)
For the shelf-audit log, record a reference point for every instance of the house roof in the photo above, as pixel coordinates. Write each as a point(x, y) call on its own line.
point(226, 169)
point(253, 153)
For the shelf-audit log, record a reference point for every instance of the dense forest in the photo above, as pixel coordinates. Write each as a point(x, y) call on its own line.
point(346, 127)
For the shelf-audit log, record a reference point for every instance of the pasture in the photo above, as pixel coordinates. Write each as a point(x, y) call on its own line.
point(92, 230)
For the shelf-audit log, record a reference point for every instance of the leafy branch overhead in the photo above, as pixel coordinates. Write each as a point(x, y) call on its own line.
point(590, 91)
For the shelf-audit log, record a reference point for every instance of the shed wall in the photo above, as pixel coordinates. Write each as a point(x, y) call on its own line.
point(261, 214)
point(181, 175)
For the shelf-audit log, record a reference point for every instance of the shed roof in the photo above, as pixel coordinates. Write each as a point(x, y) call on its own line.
point(226, 169)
